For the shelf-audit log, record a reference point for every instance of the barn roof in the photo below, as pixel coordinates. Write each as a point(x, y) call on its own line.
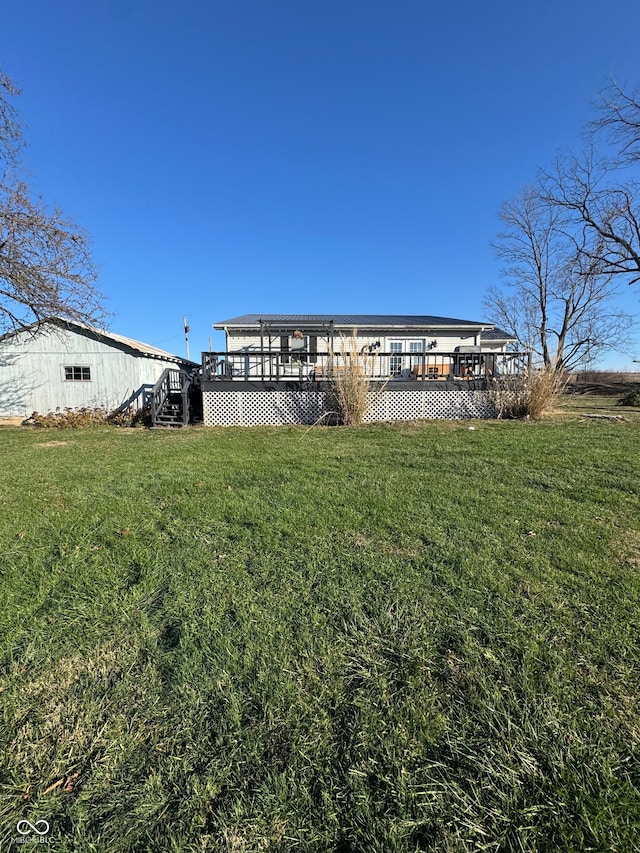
point(101, 334)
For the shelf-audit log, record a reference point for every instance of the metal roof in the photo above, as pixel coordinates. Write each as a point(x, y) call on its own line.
point(496, 334)
point(381, 321)
point(101, 334)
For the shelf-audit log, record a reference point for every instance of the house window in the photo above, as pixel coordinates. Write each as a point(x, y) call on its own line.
point(395, 361)
point(298, 345)
point(77, 374)
point(298, 341)
point(415, 347)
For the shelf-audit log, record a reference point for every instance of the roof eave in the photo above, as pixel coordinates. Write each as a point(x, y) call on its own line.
point(283, 324)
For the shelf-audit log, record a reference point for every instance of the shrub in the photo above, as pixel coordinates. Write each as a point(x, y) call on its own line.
point(69, 418)
point(130, 417)
point(527, 396)
point(630, 399)
point(351, 381)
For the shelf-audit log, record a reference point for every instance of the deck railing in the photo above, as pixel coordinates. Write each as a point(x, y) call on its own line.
point(288, 366)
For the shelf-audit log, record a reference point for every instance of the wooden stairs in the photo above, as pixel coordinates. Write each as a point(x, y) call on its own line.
point(172, 398)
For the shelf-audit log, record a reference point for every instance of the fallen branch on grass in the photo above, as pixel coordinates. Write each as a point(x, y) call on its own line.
point(607, 417)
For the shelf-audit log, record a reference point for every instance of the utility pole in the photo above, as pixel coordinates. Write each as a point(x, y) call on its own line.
point(186, 336)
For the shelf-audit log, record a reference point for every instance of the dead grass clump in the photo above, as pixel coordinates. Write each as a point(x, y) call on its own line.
point(69, 418)
point(351, 381)
point(76, 717)
point(527, 396)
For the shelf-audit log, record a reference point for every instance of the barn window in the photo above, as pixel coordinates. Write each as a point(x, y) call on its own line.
point(77, 374)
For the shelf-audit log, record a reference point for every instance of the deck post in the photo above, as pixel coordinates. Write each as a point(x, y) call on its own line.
point(262, 348)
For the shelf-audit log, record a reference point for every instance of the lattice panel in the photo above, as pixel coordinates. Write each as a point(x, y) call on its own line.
point(254, 408)
point(456, 403)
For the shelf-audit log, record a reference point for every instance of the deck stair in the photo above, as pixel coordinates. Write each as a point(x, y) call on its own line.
point(170, 398)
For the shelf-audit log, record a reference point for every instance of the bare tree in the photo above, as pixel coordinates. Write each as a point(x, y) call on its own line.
point(46, 267)
point(618, 118)
point(10, 130)
point(558, 301)
point(601, 208)
point(598, 192)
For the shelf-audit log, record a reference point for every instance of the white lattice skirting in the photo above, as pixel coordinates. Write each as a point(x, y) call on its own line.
point(262, 408)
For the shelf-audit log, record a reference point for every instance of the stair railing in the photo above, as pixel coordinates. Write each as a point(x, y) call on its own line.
point(171, 381)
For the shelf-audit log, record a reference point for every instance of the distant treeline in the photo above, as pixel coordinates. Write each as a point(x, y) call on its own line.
point(603, 376)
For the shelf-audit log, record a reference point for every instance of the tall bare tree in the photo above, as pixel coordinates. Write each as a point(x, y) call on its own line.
point(10, 130)
point(603, 207)
point(618, 118)
point(558, 302)
point(46, 266)
point(599, 191)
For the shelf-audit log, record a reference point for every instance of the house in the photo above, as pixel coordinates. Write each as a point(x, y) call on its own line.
point(58, 364)
point(276, 368)
point(295, 346)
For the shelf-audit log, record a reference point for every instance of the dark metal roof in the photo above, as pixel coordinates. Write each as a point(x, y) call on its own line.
point(496, 334)
point(381, 321)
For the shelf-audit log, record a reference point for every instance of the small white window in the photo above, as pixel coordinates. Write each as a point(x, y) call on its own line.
point(77, 373)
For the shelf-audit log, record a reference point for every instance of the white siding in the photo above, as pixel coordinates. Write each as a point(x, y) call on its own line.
point(32, 373)
point(447, 341)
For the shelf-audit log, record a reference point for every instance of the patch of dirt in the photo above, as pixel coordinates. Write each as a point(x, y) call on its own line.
point(51, 443)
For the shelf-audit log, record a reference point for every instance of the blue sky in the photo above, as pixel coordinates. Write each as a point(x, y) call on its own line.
point(236, 156)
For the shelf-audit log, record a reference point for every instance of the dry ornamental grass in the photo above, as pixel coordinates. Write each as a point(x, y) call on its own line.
point(351, 381)
point(527, 396)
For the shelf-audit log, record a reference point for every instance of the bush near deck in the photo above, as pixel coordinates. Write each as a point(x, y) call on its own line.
point(376, 639)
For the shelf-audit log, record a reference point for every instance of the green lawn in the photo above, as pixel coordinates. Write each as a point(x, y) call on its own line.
point(599, 400)
point(393, 638)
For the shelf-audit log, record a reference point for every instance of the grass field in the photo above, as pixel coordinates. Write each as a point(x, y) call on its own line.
point(393, 638)
point(602, 399)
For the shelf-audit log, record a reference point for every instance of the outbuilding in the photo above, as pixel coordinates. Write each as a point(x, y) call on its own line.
point(58, 364)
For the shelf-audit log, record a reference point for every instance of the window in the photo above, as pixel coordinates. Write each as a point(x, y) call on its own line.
point(298, 341)
point(77, 374)
point(298, 345)
point(415, 347)
point(395, 361)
